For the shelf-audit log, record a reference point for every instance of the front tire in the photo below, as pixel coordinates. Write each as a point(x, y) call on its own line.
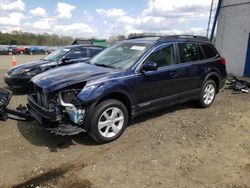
point(208, 94)
point(108, 121)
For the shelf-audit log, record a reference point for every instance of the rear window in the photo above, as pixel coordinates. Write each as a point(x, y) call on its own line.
point(209, 51)
point(188, 52)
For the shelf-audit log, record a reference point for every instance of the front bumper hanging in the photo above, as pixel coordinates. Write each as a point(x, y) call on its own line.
point(21, 113)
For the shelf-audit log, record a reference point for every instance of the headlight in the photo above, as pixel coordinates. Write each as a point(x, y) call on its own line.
point(22, 71)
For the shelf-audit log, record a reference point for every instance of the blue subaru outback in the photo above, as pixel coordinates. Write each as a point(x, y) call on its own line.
point(129, 78)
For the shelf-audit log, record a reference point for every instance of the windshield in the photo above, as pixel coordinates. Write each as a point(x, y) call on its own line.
point(120, 56)
point(58, 54)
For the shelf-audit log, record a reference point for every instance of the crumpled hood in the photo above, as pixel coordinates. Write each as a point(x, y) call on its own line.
point(61, 77)
point(29, 65)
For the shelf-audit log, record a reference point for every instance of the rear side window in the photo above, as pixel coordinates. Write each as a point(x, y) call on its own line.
point(209, 51)
point(94, 51)
point(188, 52)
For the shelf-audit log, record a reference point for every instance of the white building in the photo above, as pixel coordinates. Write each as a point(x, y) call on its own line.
point(233, 35)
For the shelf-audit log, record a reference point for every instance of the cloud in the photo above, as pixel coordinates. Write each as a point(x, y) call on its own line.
point(13, 19)
point(64, 10)
point(40, 12)
point(77, 30)
point(12, 6)
point(177, 9)
point(111, 12)
point(44, 24)
point(160, 16)
point(87, 17)
point(80, 27)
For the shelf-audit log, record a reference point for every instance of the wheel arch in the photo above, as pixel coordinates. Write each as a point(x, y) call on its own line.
point(215, 77)
point(120, 97)
point(123, 98)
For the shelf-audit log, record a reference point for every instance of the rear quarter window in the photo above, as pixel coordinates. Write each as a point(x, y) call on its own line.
point(209, 51)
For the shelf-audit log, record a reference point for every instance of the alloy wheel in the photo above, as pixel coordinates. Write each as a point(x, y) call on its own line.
point(209, 94)
point(111, 122)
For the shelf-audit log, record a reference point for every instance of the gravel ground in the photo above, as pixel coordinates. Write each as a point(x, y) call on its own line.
point(183, 146)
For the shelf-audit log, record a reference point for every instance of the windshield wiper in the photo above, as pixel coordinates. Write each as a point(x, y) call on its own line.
point(104, 65)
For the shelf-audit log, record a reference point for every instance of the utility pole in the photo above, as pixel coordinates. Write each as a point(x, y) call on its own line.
point(209, 19)
point(215, 19)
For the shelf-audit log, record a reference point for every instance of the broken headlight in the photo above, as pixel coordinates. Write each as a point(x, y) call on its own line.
point(74, 110)
point(69, 96)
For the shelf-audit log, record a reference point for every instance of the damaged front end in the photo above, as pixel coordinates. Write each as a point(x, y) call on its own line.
point(60, 112)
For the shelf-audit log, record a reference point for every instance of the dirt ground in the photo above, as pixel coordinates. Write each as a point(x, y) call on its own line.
point(183, 146)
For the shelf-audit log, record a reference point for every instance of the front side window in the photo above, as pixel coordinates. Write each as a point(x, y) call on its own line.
point(77, 53)
point(120, 55)
point(93, 51)
point(163, 56)
point(58, 54)
point(188, 52)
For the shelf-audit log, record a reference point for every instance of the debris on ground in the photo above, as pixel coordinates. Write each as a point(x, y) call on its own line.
point(238, 85)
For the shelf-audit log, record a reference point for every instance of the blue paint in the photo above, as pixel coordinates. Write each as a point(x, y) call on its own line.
point(247, 65)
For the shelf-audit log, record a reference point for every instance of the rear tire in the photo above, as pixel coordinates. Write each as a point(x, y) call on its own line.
point(208, 94)
point(108, 121)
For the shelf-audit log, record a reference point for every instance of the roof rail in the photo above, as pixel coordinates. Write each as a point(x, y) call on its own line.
point(142, 36)
point(187, 37)
point(171, 36)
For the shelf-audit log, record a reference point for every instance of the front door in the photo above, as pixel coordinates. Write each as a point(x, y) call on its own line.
point(154, 88)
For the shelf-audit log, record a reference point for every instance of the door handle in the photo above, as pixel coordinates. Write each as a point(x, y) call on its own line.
point(174, 75)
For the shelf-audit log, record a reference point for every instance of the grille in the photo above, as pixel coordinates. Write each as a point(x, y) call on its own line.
point(42, 99)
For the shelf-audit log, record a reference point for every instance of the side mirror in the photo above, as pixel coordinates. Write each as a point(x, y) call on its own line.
point(149, 66)
point(65, 60)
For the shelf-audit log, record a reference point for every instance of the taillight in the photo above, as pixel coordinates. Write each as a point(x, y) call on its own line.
point(223, 61)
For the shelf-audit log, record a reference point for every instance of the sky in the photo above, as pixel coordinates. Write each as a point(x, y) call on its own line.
point(105, 18)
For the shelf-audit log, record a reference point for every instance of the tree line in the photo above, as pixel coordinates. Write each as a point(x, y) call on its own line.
point(25, 38)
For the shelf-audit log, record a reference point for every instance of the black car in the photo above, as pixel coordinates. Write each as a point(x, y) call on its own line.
point(19, 76)
point(125, 80)
point(4, 50)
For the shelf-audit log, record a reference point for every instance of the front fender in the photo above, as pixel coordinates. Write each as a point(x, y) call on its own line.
point(94, 92)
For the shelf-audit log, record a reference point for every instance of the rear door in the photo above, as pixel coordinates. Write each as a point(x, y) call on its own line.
point(193, 66)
